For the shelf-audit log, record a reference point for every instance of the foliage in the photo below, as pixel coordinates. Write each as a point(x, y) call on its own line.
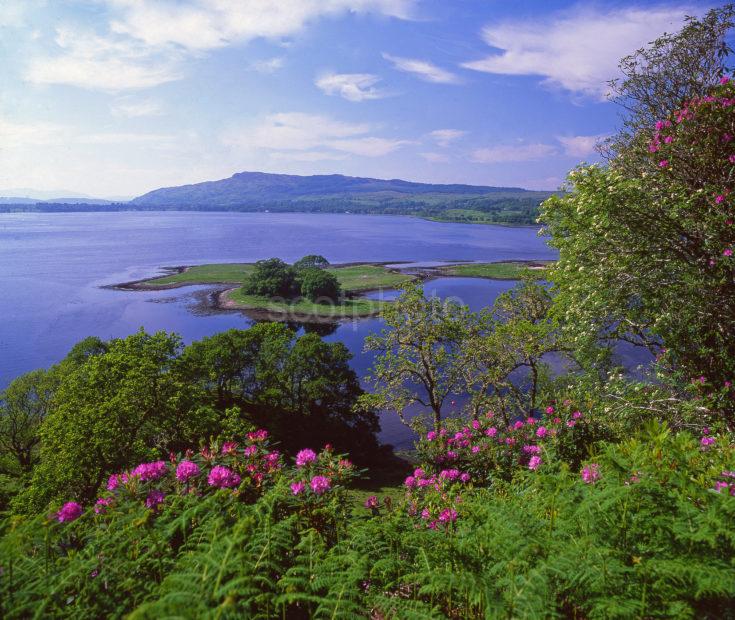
point(271, 278)
point(418, 360)
point(649, 258)
point(659, 78)
point(311, 261)
point(24, 405)
point(319, 285)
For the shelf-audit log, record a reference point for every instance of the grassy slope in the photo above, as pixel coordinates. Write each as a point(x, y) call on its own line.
point(495, 271)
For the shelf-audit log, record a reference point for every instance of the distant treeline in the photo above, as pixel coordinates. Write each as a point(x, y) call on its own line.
point(483, 209)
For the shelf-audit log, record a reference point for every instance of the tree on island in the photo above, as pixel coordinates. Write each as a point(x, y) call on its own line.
point(311, 261)
point(317, 284)
point(271, 278)
point(306, 277)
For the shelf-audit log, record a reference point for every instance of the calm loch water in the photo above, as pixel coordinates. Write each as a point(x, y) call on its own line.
point(53, 265)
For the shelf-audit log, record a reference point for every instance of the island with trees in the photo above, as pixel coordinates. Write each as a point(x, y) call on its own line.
point(312, 289)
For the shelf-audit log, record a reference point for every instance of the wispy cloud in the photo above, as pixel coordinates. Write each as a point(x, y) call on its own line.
point(296, 131)
point(350, 86)
point(577, 50)
point(208, 24)
point(132, 108)
point(435, 158)
point(512, 153)
point(111, 64)
point(19, 134)
point(444, 137)
point(268, 65)
point(147, 43)
point(423, 69)
point(580, 146)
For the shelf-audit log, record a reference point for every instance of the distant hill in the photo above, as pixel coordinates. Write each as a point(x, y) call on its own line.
point(333, 193)
point(260, 191)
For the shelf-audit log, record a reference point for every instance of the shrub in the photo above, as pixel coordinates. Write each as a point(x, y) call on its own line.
point(271, 278)
point(319, 285)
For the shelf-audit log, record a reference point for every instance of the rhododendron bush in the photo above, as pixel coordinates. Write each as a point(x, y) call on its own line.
point(649, 258)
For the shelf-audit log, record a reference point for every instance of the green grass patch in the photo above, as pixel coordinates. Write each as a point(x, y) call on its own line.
point(347, 308)
point(497, 271)
point(352, 278)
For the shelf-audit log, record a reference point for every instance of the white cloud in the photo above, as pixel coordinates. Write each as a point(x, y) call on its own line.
point(131, 108)
point(297, 131)
point(369, 147)
point(95, 62)
point(350, 86)
point(578, 50)
point(152, 139)
point(424, 69)
point(268, 65)
point(307, 156)
point(208, 24)
point(147, 41)
point(580, 146)
point(15, 134)
point(444, 137)
point(512, 153)
point(435, 158)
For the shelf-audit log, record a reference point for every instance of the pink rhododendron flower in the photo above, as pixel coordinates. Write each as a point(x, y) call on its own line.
point(464, 477)
point(534, 462)
point(475, 424)
point(719, 199)
point(431, 436)
point(724, 80)
point(250, 451)
point(518, 425)
point(371, 503)
point(549, 410)
point(271, 460)
point(425, 514)
point(448, 515)
point(727, 252)
point(320, 484)
point(418, 472)
point(155, 497)
point(186, 470)
point(222, 477)
point(259, 435)
point(297, 487)
point(491, 432)
point(304, 457)
point(449, 474)
point(229, 447)
point(576, 415)
point(69, 512)
point(731, 159)
point(706, 442)
point(541, 431)
point(150, 471)
point(663, 163)
point(100, 506)
point(410, 482)
point(591, 473)
point(113, 482)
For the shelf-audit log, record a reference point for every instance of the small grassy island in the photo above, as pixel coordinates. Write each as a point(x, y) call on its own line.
point(352, 280)
point(345, 284)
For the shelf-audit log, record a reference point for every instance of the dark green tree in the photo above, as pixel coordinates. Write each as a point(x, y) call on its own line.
point(119, 407)
point(271, 278)
point(24, 405)
point(311, 261)
point(319, 285)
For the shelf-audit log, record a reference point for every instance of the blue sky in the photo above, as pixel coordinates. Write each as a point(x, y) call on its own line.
point(118, 97)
